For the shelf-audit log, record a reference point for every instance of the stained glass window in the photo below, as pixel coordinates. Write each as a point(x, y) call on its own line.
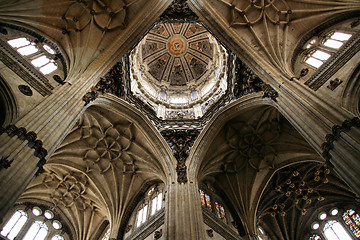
point(315, 237)
point(202, 196)
point(352, 220)
point(220, 211)
point(208, 201)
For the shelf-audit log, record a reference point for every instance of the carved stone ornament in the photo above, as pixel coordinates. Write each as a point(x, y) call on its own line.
point(5, 163)
point(69, 189)
point(210, 232)
point(180, 142)
point(112, 82)
point(158, 234)
point(33, 143)
point(334, 84)
point(270, 92)
point(246, 81)
point(178, 11)
point(128, 228)
point(335, 135)
point(26, 90)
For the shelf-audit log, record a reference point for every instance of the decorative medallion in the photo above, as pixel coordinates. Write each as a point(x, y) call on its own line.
point(177, 45)
point(26, 90)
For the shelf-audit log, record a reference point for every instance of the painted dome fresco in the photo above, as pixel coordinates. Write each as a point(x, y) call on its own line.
point(178, 66)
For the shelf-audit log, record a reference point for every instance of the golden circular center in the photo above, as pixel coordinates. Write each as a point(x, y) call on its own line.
point(177, 45)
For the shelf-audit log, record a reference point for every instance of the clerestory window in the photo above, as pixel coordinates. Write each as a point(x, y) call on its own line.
point(36, 223)
point(150, 205)
point(336, 225)
point(40, 55)
point(319, 50)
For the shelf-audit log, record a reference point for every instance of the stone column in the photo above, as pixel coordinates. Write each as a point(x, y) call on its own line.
point(183, 213)
point(330, 129)
point(48, 124)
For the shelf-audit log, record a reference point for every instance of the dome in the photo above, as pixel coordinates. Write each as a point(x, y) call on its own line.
point(179, 70)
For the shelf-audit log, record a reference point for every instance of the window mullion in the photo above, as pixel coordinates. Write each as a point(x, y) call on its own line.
point(346, 227)
point(26, 226)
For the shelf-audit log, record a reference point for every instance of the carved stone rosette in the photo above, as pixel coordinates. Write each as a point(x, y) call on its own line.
point(180, 142)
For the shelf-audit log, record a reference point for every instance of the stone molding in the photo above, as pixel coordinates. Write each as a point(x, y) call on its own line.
point(33, 143)
point(148, 228)
point(335, 135)
point(327, 70)
point(180, 142)
point(219, 226)
point(40, 84)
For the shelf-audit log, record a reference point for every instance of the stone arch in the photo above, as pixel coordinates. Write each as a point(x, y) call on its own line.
point(8, 105)
point(351, 93)
point(109, 157)
point(226, 153)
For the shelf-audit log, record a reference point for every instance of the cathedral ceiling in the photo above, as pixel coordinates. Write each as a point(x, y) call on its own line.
point(246, 151)
point(84, 28)
point(269, 30)
point(177, 53)
point(98, 170)
point(296, 195)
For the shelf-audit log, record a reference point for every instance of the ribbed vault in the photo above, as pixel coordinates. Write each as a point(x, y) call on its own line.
point(99, 169)
point(246, 148)
point(296, 194)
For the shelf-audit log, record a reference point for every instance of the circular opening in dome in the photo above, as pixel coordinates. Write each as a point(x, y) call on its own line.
point(334, 211)
point(315, 226)
point(48, 214)
point(36, 211)
point(56, 224)
point(322, 216)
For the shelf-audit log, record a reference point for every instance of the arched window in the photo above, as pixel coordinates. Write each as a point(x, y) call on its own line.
point(33, 223)
point(319, 49)
point(333, 230)
point(332, 225)
point(106, 235)
point(40, 55)
point(150, 205)
point(142, 215)
point(220, 211)
point(26, 50)
point(156, 203)
point(352, 220)
point(37, 231)
point(205, 200)
point(14, 225)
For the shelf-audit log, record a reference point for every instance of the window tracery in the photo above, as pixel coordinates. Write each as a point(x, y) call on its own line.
point(25, 50)
point(33, 223)
point(319, 49)
point(336, 224)
point(150, 205)
point(213, 205)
